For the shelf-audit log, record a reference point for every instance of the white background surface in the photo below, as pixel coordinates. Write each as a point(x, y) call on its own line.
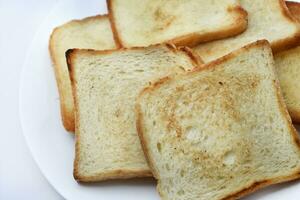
point(19, 176)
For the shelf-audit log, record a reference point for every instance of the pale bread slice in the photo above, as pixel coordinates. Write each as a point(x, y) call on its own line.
point(221, 131)
point(288, 70)
point(137, 23)
point(267, 19)
point(89, 33)
point(105, 86)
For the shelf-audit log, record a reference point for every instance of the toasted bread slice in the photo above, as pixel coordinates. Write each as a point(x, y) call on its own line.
point(219, 132)
point(267, 19)
point(89, 33)
point(288, 70)
point(136, 23)
point(105, 86)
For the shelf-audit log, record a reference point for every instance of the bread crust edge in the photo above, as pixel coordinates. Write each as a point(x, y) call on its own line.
point(111, 17)
point(295, 115)
point(294, 8)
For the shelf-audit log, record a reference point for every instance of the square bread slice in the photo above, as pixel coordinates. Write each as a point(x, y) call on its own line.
point(89, 33)
point(267, 19)
point(105, 86)
point(288, 70)
point(142, 23)
point(221, 131)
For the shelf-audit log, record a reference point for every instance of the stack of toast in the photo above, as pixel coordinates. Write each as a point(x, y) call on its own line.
point(200, 95)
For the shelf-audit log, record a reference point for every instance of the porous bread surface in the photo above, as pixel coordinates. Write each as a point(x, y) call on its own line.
point(219, 132)
point(105, 86)
point(137, 23)
point(267, 19)
point(288, 70)
point(89, 33)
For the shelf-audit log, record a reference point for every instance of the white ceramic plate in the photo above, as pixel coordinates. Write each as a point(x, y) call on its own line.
point(53, 148)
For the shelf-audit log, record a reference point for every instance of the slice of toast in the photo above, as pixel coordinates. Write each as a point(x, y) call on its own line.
point(137, 23)
point(89, 33)
point(267, 19)
point(105, 85)
point(288, 70)
point(219, 132)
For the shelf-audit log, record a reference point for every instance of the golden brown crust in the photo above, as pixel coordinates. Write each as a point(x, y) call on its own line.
point(285, 11)
point(294, 8)
point(285, 113)
point(289, 42)
point(114, 174)
point(66, 114)
point(111, 17)
point(194, 56)
point(197, 60)
point(295, 115)
point(256, 185)
point(69, 55)
point(192, 39)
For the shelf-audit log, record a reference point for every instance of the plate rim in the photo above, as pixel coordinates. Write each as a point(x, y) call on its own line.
point(52, 10)
point(22, 79)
